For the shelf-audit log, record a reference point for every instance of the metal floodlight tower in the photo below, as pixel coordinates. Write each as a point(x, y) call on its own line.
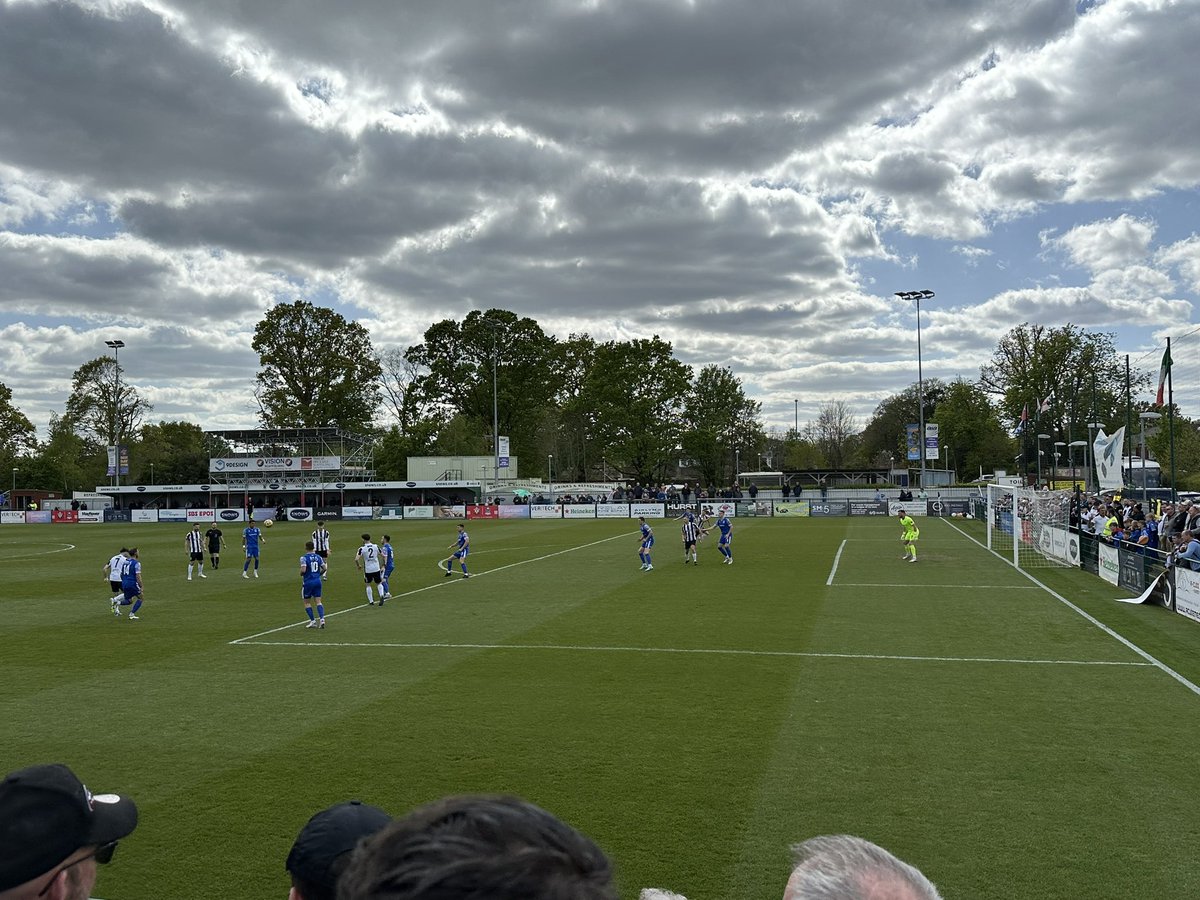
point(116, 349)
point(916, 297)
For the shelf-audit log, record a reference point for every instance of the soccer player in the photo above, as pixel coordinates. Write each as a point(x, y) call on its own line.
point(367, 559)
point(216, 540)
point(194, 541)
point(461, 548)
point(725, 541)
point(389, 565)
point(131, 585)
point(647, 542)
point(251, 537)
point(691, 534)
point(112, 569)
point(312, 570)
point(321, 543)
point(909, 535)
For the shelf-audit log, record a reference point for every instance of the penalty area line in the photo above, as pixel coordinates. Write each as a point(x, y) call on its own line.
point(703, 651)
point(1152, 660)
point(428, 587)
point(836, 559)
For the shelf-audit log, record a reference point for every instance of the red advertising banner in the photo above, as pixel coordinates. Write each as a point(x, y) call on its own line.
point(64, 515)
point(483, 512)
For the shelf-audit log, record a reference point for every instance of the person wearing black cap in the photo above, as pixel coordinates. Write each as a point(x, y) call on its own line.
point(53, 832)
point(322, 849)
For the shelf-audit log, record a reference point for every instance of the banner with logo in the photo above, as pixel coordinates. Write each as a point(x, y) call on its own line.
point(122, 515)
point(545, 511)
point(1187, 593)
point(513, 511)
point(675, 510)
point(717, 508)
point(952, 509)
point(579, 510)
point(793, 509)
point(118, 459)
point(201, 515)
point(299, 513)
point(649, 510)
point(90, 516)
point(140, 515)
point(1110, 563)
point(245, 464)
point(37, 517)
point(912, 441)
point(483, 511)
point(612, 510)
point(418, 512)
point(868, 507)
point(326, 513)
point(356, 512)
point(12, 517)
point(503, 454)
point(1131, 571)
point(747, 508)
point(1060, 544)
point(390, 513)
point(228, 514)
point(828, 508)
point(64, 515)
point(450, 512)
point(921, 508)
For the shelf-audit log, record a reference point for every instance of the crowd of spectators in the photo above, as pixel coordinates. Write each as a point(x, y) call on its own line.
point(55, 832)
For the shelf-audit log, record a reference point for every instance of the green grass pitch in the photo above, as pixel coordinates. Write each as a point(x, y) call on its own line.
point(694, 720)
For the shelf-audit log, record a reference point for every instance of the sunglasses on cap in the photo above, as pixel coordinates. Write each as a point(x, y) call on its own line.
point(102, 854)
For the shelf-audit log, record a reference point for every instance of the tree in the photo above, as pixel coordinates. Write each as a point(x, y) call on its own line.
point(885, 433)
point(67, 461)
point(720, 417)
point(458, 358)
point(17, 434)
point(969, 427)
point(103, 405)
point(834, 432)
point(634, 395)
point(173, 453)
point(317, 369)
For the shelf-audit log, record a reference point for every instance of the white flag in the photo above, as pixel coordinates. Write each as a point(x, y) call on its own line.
point(1107, 450)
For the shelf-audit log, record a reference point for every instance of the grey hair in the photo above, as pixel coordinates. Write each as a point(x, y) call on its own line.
point(844, 867)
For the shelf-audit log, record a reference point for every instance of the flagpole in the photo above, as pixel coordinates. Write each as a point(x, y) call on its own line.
point(1171, 421)
point(1128, 424)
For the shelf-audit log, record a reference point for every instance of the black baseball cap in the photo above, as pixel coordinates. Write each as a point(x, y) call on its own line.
point(46, 814)
point(328, 835)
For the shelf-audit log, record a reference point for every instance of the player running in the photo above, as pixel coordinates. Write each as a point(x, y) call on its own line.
point(389, 565)
point(194, 541)
point(691, 534)
point(646, 545)
point(131, 585)
point(725, 541)
point(251, 537)
point(312, 571)
point(367, 559)
point(462, 549)
point(909, 535)
point(112, 570)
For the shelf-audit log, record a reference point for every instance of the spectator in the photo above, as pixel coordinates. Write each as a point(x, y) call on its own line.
point(843, 867)
point(787, 490)
point(752, 490)
point(501, 848)
point(1190, 557)
point(54, 832)
point(322, 849)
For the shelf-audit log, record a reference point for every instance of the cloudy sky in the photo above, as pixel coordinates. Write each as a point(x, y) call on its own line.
point(749, 179)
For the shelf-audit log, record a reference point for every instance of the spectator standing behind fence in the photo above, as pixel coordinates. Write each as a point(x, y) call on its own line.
point(500, 848)
point(843, 867)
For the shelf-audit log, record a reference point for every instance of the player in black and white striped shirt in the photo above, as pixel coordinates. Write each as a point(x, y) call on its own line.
point(691, 534)
point(195, 547)
point(321, 545)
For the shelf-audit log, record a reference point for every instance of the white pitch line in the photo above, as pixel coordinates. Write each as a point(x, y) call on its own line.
point(961, 587)
point(836, 559)
point(1154, 661)
point(705, 651)
point(429, 587)
point(62, 549)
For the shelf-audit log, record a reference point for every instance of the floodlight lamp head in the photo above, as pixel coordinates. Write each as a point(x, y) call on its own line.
point(115, 344)
point(1044, 437)
point(925, 295)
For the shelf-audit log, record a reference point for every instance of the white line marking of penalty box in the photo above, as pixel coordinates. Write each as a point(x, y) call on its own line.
point(702, 651)
point(430, 587)
point(1111, 632)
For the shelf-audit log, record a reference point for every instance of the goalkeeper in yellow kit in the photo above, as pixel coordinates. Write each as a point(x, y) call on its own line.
point(909, 536)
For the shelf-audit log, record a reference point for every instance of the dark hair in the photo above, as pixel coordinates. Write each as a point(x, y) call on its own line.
point(308, 545)
point(478, 848)
point(366, 537)
point(387, 537)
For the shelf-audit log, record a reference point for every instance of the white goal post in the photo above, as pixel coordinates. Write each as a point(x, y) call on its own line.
point(1031, 528)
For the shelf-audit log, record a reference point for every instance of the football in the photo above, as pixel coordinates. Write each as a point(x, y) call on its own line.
point(267, 523)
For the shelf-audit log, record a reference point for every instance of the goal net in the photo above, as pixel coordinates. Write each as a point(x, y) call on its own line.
point(1031, 528)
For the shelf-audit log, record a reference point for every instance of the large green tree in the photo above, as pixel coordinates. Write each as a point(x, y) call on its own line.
point(635, 394)
point(17, 434)
point(459, 358)
point(103, 404)
point(171, 453)
point(317, 369)
point(971, 431)
point(720, 418)
point(885, 435)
